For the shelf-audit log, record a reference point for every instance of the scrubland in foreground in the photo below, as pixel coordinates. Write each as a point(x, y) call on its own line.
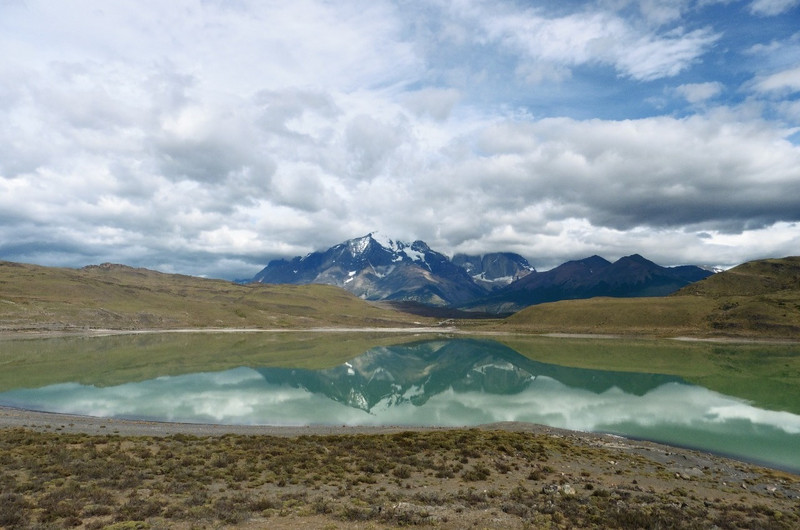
point(490, 478)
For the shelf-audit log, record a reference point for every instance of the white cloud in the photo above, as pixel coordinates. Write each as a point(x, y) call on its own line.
point(784, 81)
point(663, 12)
point(589, 38)
point(772, 7)
point(700, 92)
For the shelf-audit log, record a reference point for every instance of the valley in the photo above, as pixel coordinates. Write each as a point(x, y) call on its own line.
point(757, 300)
point(565, 478)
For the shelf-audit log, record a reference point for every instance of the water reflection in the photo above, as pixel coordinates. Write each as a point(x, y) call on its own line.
point(445, 382)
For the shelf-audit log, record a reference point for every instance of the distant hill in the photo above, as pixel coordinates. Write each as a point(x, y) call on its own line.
point(756, 299)
point(762, 277)
point(112, 296)
point(631, 276)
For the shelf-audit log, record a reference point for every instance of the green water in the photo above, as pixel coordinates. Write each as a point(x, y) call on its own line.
point(302, 380)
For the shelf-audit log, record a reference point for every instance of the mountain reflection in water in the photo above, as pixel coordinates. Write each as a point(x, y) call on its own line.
point(458, 382)
point(413, 374)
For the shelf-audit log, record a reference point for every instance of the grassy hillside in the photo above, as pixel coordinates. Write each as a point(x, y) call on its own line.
point(756, 299)
point(119, 297)
point(754, 278)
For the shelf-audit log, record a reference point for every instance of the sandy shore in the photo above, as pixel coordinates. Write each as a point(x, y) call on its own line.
point(11, 417)
point(72, 423)
point(439, 329)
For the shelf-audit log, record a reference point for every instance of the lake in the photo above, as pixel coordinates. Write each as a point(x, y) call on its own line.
point(359, 379)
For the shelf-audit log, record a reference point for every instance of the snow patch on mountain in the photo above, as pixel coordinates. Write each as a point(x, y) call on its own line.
point(414, 255)
point(358, 246)
point(386, 242)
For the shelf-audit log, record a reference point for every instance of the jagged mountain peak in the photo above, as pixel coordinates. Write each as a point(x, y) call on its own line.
point(495, 269)
point(376, 267)
point(375, 241)
point(383, 240)
point(359, 245)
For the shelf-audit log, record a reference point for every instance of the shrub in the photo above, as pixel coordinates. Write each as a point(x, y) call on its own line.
point(402, 471)
point(13, 510)
point(478, 472)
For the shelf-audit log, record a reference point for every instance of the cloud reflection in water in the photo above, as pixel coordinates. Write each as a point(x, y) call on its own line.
point(456, 383)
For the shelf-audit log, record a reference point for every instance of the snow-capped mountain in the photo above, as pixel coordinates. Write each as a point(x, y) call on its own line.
point(494, 270)
point(376, 268)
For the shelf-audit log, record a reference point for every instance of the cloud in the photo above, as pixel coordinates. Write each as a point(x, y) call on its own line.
point(208, 138)
point(659, 12)
point(370, 144)
point(700, 92)
point(588, 38)
point(657, 172)
point(784, 81)
point(772, 7)
point(434, 102)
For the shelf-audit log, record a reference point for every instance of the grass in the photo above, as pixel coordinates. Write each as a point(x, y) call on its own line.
point(120, 297)
point(756, 299)
point(511, 480)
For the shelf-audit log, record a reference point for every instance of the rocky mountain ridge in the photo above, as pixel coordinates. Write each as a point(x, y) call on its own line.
point(376, 268)
point(373, 270)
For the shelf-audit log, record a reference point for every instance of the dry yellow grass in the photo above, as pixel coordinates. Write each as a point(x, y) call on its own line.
point(758, 299)
point(120, 297)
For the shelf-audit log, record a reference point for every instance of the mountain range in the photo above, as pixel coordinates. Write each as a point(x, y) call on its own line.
point(376, 268)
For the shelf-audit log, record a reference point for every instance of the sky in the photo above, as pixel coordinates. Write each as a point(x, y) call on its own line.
point(209, 137)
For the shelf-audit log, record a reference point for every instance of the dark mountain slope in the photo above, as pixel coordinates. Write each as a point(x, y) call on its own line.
point(631, 276)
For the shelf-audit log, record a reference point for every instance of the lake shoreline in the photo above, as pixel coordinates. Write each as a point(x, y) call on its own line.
point(421, 330)
point(67, 423)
